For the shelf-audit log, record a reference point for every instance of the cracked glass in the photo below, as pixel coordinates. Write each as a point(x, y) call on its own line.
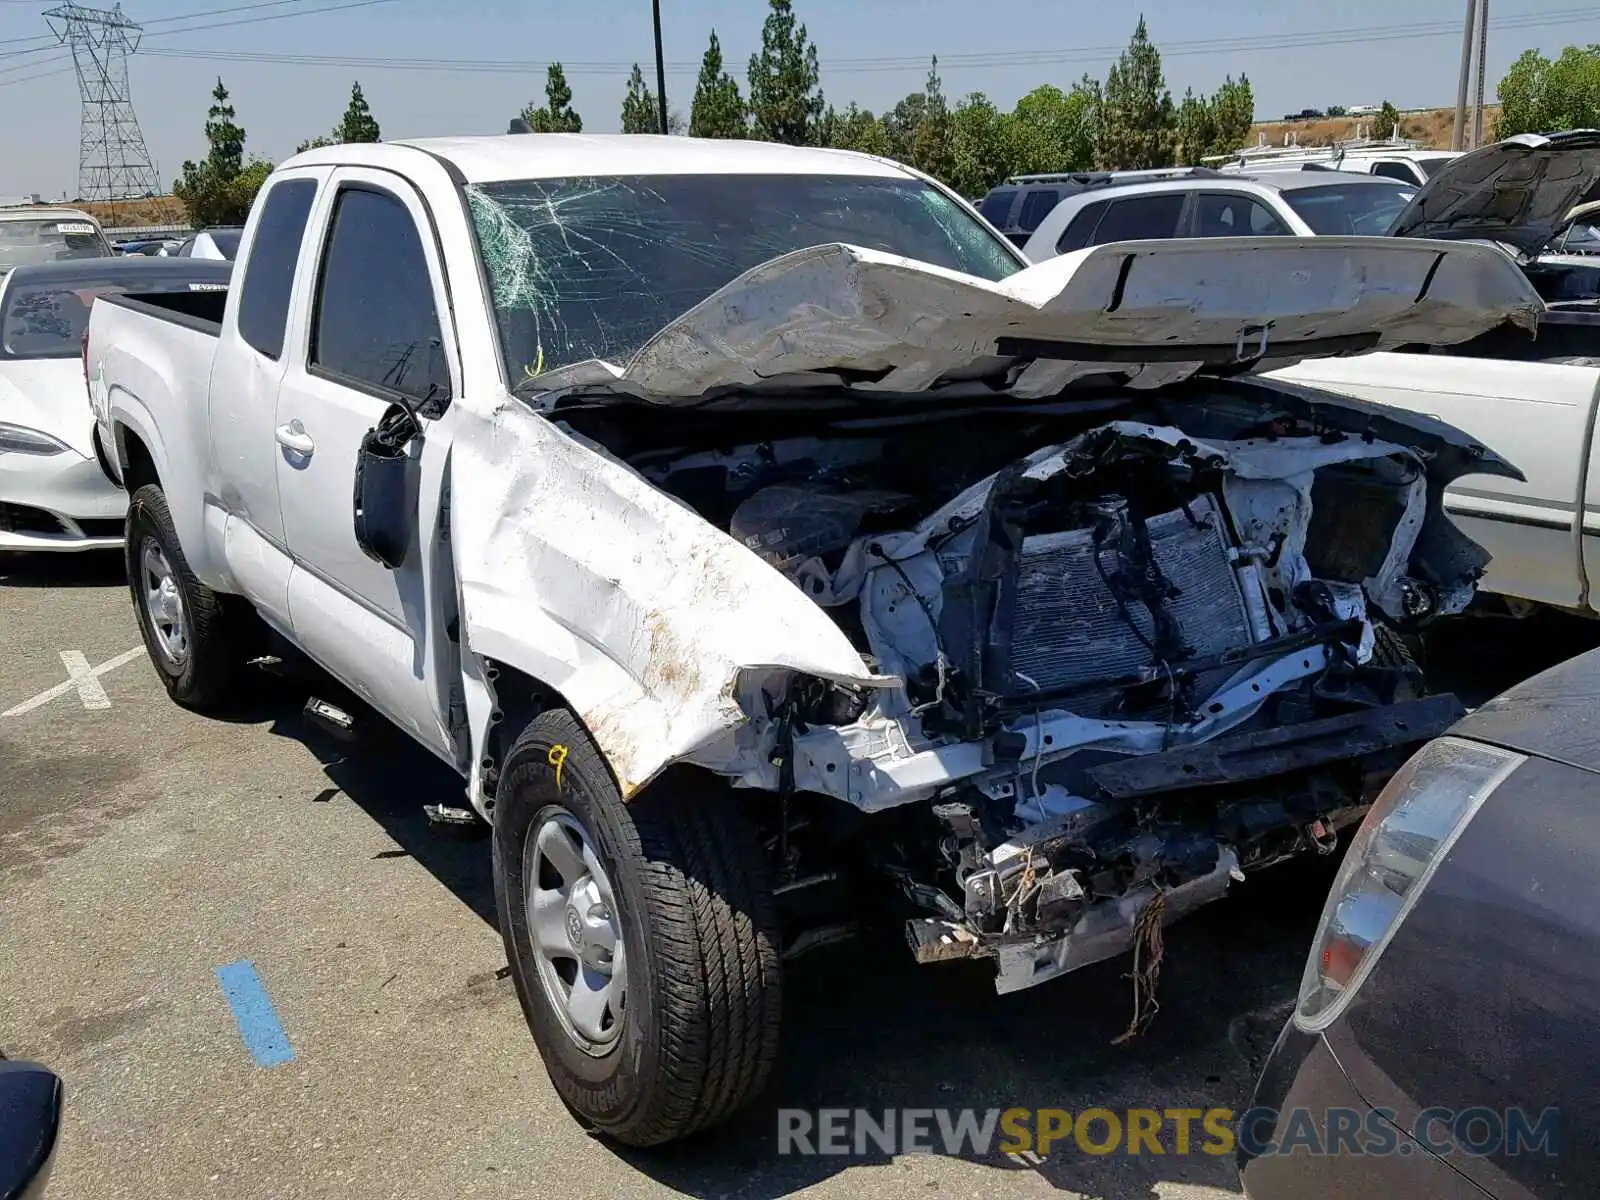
point(592, 268)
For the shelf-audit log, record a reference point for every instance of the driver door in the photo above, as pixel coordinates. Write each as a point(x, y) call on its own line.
point(377, 335)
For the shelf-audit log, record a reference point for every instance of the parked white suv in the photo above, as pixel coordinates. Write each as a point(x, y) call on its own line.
point(1405, 164)
point(1206, 203)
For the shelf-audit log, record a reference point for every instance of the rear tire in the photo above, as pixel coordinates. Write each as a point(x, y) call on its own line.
point(198, 640)
point(685, 901)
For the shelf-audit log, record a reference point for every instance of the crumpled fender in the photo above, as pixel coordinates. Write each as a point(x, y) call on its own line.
point(581, 574)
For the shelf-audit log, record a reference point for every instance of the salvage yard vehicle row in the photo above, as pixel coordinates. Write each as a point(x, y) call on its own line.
point(770, 548)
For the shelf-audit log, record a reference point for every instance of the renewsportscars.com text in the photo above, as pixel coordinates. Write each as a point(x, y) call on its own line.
point(1258, 1132)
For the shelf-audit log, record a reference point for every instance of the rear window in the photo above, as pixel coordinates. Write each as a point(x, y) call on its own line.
point(28, 242)
point(1395, 170)
point(1081, 228)
point(48, 319)
point(1350, 208)
point(996, 206)
point(269, 275)
point(1036, 206)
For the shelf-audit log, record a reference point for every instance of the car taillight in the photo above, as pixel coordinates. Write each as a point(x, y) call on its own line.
point(1405, 836)
point(85, 358)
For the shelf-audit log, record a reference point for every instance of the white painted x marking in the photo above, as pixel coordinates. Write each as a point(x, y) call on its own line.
point(82, 678)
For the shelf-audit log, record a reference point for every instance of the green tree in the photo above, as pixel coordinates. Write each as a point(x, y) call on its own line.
point(1051, 130)
point(718, 110)
point(1197, 128)
point(557, 115)
point(931, 151)
point(786, 102)
point(900, 125)
point(980, 151)
point(640, 113)
point(358, 124)
point(1538, 95)
point(1388, 120)
point(857, 129)
point(1137, 117)
point(316, 143)
point(1233, 109)
point(219, 189)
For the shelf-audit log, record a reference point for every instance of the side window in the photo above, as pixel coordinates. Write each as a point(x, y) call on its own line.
point(375, 322)
point(1218, 215)
point(186, 250)
point(1081, 228)
point(996, 206)
point(1141, 217)
point(1036, 206)
point(269, 272)
point(1395, 170)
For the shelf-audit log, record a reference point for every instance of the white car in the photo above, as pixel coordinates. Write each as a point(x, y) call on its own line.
point(1405, 163)
point(33, 235)
point(1205, 203)
point(54, 493)
point(1536, 398)
point(771, 550)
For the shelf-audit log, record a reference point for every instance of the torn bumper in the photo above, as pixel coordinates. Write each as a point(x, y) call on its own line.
point(1180, 825)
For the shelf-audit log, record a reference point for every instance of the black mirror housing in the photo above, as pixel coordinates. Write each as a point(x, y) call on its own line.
point(383, 498)
point(30, 1125)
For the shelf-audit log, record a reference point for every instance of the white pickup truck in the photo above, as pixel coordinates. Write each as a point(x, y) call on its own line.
point(1534, 399)
point(772, 550)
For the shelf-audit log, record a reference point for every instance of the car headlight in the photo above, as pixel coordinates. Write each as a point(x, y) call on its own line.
point(20, 440)
point(1400, 844)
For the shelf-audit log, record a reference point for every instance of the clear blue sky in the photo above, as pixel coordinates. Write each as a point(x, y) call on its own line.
point(873, 52)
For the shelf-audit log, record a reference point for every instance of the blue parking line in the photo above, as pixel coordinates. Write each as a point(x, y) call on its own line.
point(259, 1026)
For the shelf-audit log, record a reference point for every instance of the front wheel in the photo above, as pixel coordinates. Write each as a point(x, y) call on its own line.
point(642, 938)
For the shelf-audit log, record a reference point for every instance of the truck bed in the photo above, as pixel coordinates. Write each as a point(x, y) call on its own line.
point(199, 310)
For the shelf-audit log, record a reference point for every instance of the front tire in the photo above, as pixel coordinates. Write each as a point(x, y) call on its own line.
point(642, 938)
point(197, 639)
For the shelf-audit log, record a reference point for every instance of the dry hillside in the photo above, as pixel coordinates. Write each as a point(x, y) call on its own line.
point(158, 210)
point(1430, 126)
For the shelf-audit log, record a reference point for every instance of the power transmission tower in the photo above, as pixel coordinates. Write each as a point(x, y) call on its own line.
point(113, 163)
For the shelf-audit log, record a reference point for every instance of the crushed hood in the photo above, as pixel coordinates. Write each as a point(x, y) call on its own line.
point(1519, 191)
point(48, 394)
point(1154, 311)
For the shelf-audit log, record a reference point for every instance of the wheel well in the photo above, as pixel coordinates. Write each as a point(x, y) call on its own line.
point(519, 698)
point(138, 466)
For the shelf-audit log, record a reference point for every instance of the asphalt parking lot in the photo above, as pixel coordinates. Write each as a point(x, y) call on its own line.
point(143, 848)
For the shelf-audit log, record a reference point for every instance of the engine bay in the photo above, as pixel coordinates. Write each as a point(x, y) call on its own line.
point(1147, 641)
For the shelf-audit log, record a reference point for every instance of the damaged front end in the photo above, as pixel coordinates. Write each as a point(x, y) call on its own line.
point(1137, 662)
point(1030, 597)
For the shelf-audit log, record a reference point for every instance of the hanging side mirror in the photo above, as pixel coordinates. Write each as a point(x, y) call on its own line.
point(383, 500)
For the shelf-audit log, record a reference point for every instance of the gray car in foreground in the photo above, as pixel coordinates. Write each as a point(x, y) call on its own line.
point(1446, 1041)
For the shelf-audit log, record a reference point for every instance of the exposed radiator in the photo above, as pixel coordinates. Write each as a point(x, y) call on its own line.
point(1069, 629)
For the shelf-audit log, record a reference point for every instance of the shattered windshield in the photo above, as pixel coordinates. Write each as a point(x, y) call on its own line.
point(592, 268)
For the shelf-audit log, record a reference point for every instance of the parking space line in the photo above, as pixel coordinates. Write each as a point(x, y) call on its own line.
point(90, 676)
point(258, 1022)
point(83, 678)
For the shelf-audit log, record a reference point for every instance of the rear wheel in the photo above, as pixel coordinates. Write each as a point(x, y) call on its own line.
point(197, 639)
point(642, 938)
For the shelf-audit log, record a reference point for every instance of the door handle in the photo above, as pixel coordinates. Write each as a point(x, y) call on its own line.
point(293, 437)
